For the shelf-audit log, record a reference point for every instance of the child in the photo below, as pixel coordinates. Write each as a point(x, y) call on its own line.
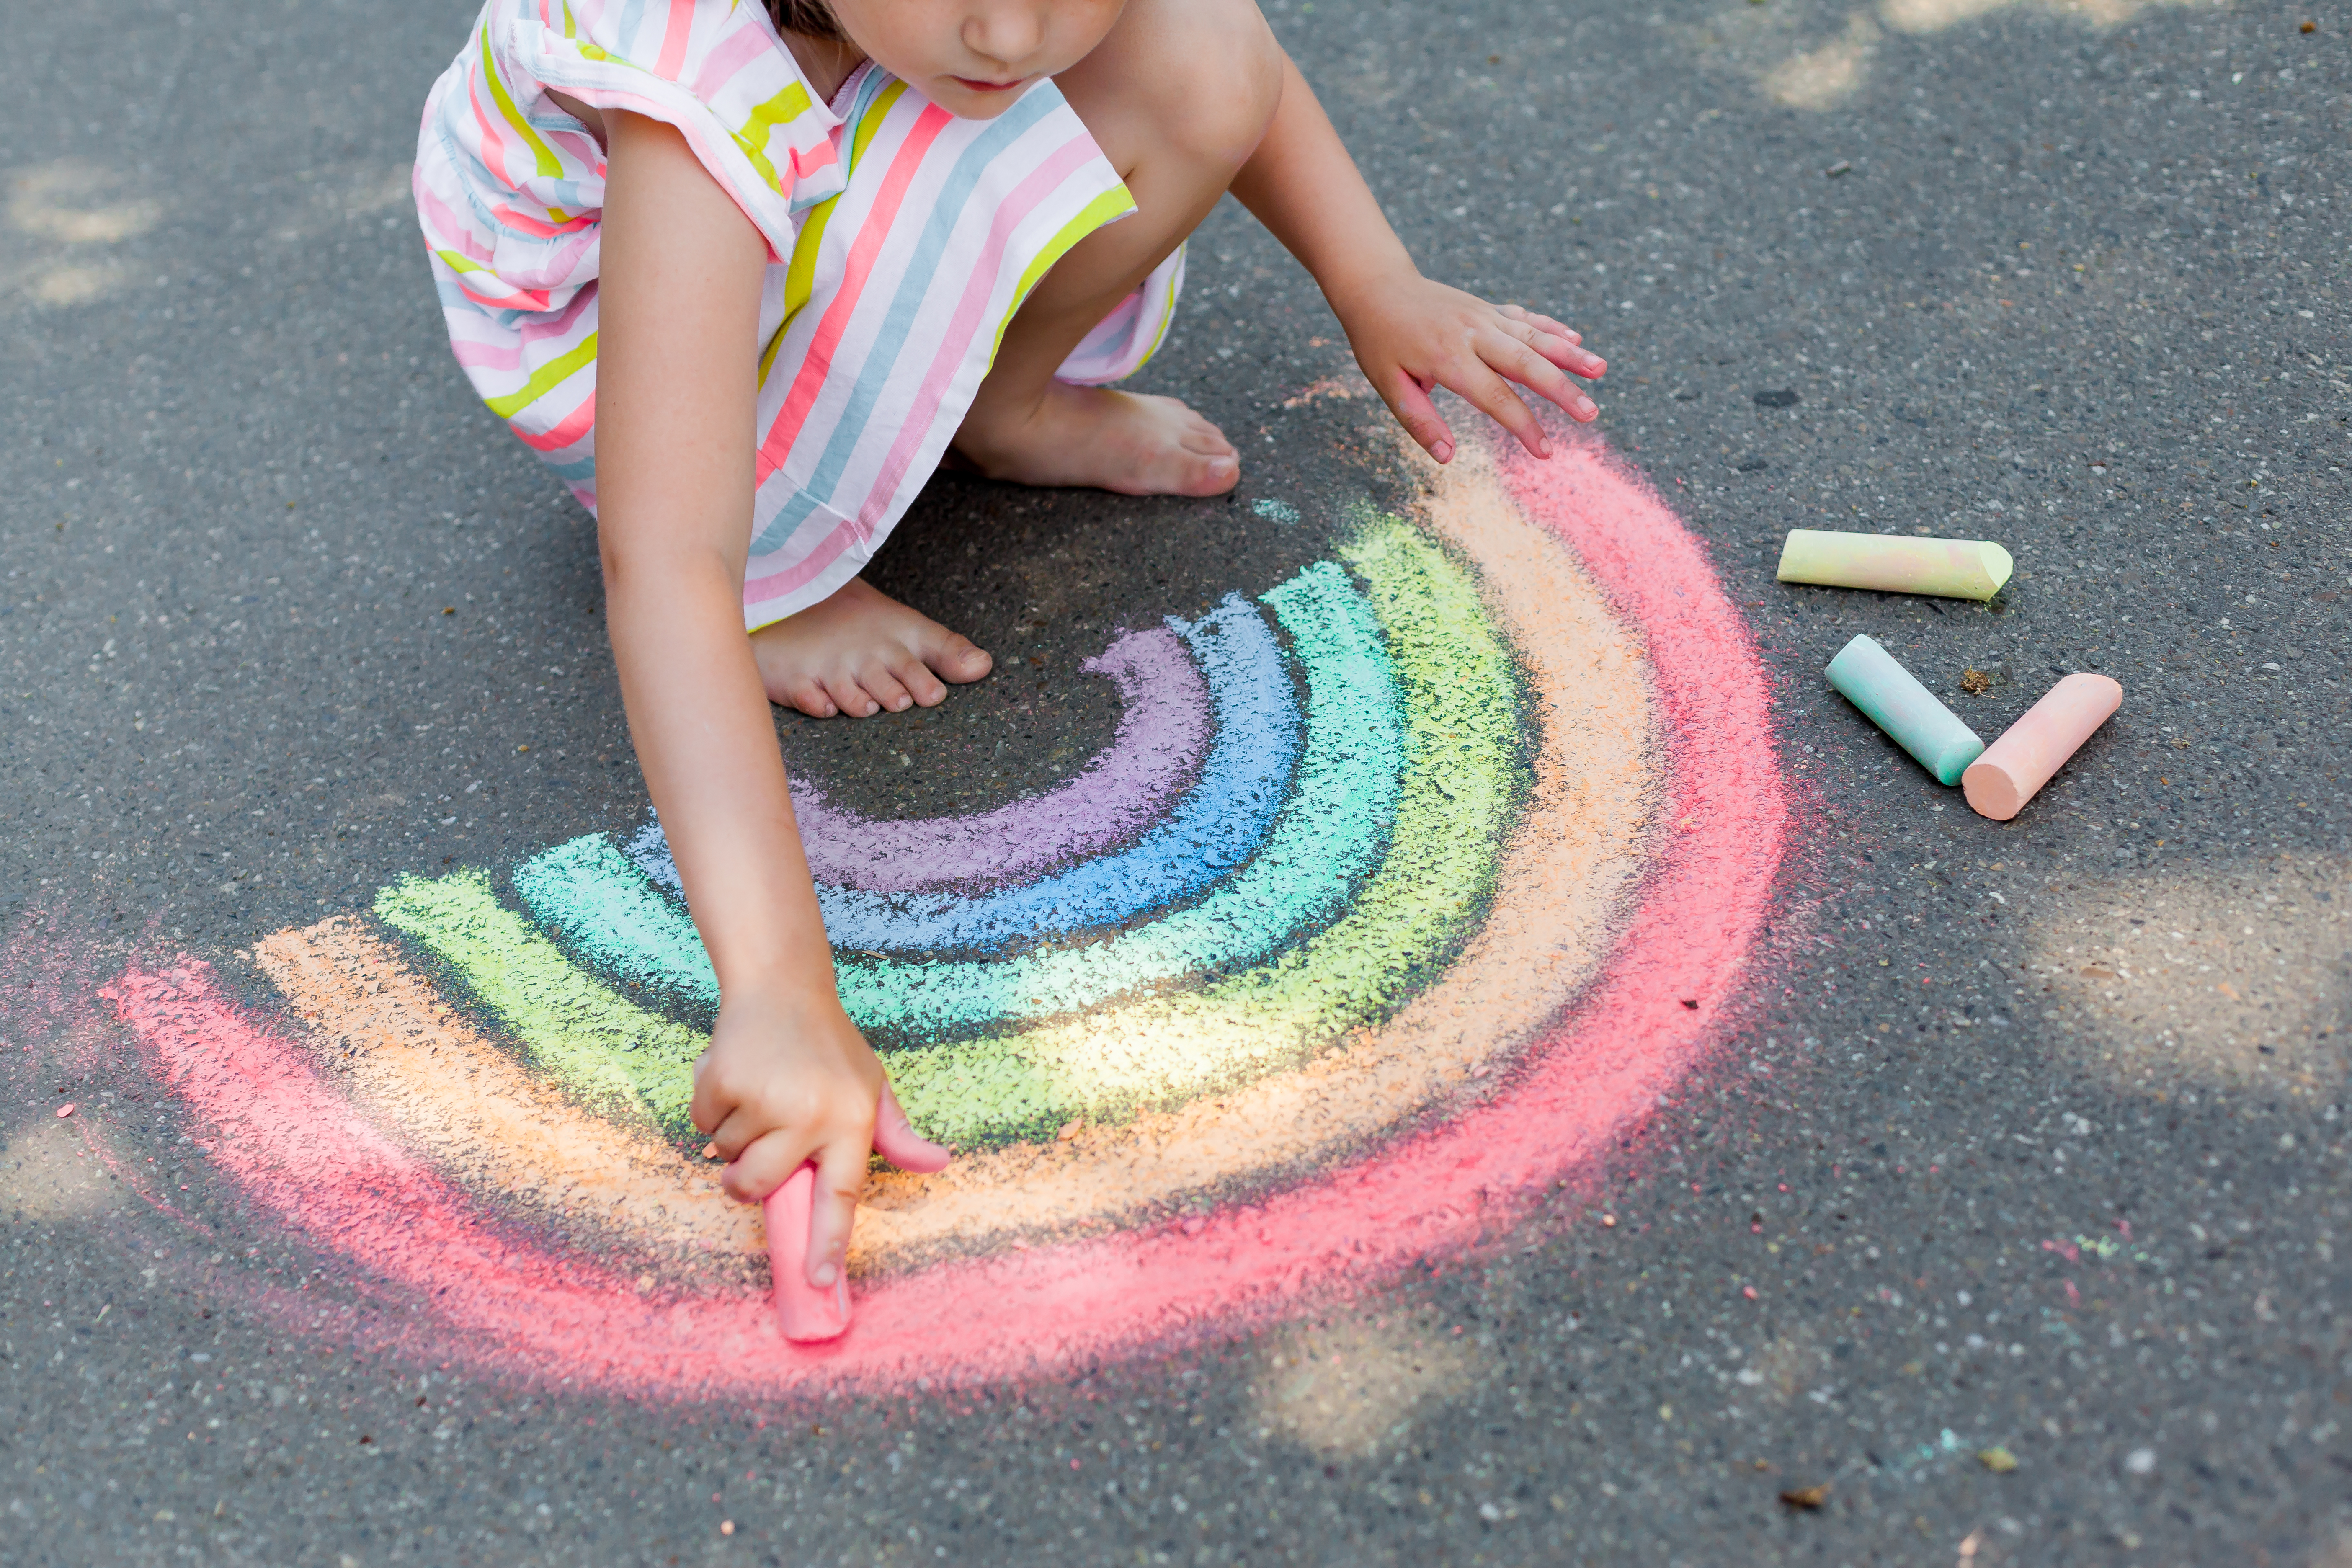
point(742, 277)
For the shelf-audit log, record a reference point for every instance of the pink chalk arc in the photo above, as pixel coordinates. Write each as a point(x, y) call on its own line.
point(301, 1152)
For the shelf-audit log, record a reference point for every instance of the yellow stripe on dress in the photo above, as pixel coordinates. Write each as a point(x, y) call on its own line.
point(550, 167)
point(547, 375)
point(782, 110)
point(1113, 202)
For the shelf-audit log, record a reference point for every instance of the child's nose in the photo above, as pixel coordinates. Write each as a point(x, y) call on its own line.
point(1006, 33)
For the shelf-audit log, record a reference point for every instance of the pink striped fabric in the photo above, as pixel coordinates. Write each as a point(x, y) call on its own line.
point(901, 237)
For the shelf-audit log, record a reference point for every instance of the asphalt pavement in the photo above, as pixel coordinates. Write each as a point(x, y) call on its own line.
point(2000, 1224)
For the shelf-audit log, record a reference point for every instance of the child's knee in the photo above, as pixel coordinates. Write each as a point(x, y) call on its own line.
point(1219, 103)
point(1197, 78)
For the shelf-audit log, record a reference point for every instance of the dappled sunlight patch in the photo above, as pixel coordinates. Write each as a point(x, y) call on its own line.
point(2182, 978)
point(49, 1172)
point(1815, 56)
point(1935, 15)
point(1825, 77)
point(63, 216)
point(1350, 1387)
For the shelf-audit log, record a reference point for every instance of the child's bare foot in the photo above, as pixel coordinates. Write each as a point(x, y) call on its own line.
point(1132, 443)
point(859, 652)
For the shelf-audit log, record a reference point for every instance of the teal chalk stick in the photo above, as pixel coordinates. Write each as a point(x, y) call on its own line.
point(1871, 679)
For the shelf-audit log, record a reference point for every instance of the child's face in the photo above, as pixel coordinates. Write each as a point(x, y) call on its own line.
point(973, 58)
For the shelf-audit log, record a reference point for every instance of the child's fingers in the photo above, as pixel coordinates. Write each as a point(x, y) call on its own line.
point(1564, 352)
point(1538, 319)
point(895, 1139)
point(1408, 399)
point(763, 1163)
point(1539, 375)
point(840, 1178)
point(1508, 356)
point(712, 1101)
point(1492, 396)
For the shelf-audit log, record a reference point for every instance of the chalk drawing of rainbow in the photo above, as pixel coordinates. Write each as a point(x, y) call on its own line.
point(1405, 884)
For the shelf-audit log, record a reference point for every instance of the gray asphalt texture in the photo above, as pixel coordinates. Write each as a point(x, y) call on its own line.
point(2032, 1136)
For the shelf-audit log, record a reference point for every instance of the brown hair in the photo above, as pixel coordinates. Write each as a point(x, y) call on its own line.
point(809, 19)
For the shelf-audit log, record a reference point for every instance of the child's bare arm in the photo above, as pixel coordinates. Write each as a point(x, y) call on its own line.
point(1409, 334)
point(787, 1078)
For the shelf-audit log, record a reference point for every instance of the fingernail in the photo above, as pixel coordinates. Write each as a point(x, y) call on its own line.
point(1586, 408)
point(1442, 451)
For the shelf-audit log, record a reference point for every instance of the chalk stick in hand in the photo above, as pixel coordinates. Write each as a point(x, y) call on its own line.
point(809, 1315)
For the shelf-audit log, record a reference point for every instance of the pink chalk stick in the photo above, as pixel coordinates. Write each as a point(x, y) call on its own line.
point(2016, 766)
point(808, 1314)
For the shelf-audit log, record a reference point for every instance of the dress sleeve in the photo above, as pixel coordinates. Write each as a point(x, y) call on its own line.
point(717, 70)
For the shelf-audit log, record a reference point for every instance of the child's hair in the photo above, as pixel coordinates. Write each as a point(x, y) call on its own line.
point(809, 19)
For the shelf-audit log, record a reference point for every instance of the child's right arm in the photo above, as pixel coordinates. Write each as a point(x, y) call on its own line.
point(788, 1077)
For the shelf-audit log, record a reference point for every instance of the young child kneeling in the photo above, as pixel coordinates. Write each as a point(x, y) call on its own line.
point(745, 276)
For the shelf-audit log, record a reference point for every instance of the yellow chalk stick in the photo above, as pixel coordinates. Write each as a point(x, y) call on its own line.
point(1951, 568)
point(2014, 767)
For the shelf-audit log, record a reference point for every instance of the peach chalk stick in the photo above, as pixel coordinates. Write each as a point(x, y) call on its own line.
point(809, 1315)
point(2016, 766)
point(1949, 568)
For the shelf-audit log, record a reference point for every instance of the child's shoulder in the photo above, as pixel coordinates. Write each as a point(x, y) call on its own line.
point(714, 48)
point(717, 70)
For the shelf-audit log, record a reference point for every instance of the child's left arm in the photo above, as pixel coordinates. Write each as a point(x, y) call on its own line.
point(1409, 334)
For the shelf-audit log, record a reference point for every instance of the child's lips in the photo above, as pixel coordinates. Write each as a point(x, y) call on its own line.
point(975, 85)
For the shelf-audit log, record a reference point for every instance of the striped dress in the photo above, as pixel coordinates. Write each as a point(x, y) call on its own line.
point(900, 240)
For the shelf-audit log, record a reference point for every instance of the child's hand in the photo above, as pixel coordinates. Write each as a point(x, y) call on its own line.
point(1411, 334)
point(792, 1082)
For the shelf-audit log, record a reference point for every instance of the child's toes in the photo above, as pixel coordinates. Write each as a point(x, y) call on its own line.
point(850, 697)
point(920, 684)
point(957, 658)
point(885, 688)
point(809, 699)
